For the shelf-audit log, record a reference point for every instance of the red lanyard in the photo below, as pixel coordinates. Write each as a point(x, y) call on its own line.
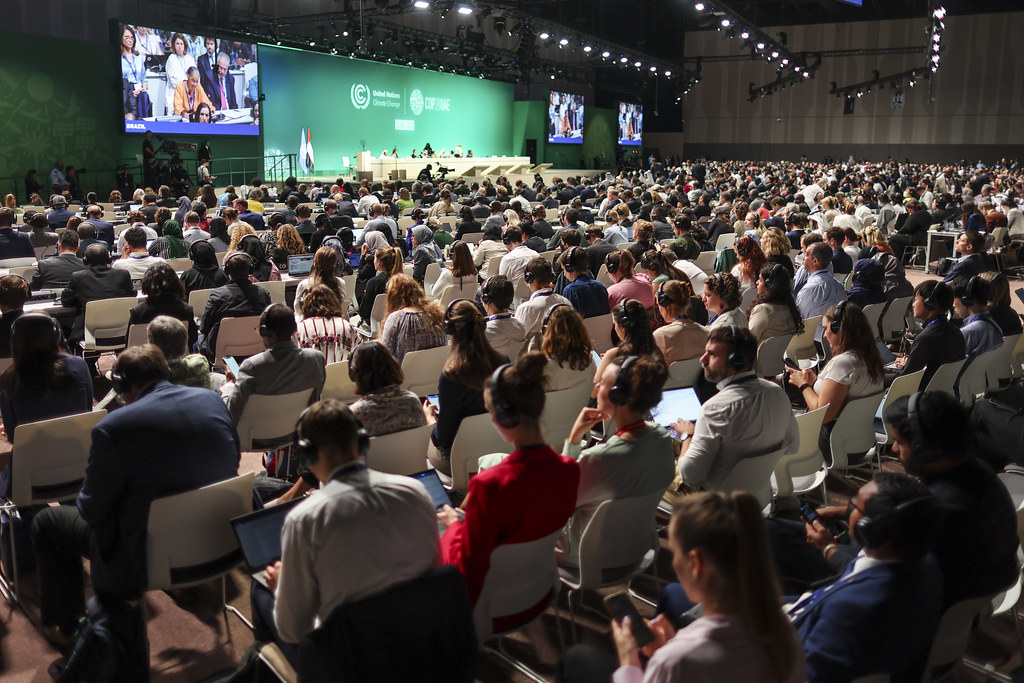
point(631, 428)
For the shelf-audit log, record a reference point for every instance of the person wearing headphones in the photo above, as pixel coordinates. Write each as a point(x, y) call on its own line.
point(747, 417)
point(167, 439)
point(587, 295)
point(974, 262)
point(880, 615)
point(637, 460)
point(97, 281)
point(680, 338)
point(539, 277)
point(773, 311)
point(506, 335)
point(528, 495)
point(627, 283)
point(514, 263)
point(722, 297)
point(970, 303)
point(283, 368)
point(939, 341)
point(239, 298)
point(362, 533)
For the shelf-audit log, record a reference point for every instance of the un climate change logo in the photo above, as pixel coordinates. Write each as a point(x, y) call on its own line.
point(416, 102)
point(360, 96)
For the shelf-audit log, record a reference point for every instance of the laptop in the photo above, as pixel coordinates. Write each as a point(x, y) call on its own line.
point(676, 404)
point(259, 536)
point(301, 264)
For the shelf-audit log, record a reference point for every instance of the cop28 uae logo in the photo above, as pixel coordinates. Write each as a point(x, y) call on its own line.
point(360, 96)
point(416, 102)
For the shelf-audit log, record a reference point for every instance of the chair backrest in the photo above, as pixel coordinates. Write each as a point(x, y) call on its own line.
point(624, 246)
point(209, 549)
point(239, 337)
point(600, 328)
point(422, 369)
point(770, 355)
point(476, 437)
point(492, 267)
point(404, 223)
point(951, 638)
point(453, 292)
point(801, 346)
point(617, 538)
point(49, 458)
point(354, 642)
point(431, 274)
point(26, 272)
point(472, 237)
point(603, 277)
point(560, 411)
point(683, 373)
point(377, 313)
point(945, 376)
point(41, 252)
point(197, 299)
point(520, 576)
point(725, 241)
point(854, 430)
point(747, 298)
point(873, 312)
point(337, 384)
point(808, 459)
point(17, 261)
point(137, 334)
point(973, 378)
point(277, 290)
point(268, 421)
point(106, 321)
point(403, 452)
point(179, 264)
point(904, 385)
point(894, 321)
point(753, 475)
point(1000, 369)
point(706, 261)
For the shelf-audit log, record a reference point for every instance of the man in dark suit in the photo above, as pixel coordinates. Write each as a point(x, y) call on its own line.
point(881, 614)
point(914, 231)
point(223, 95)
point(541, 227)
point(87, 238)
point(137, 456)
point(346, 207)
point(104, 230)
point(207, 64)
point(237, 299)
point(13, 244)
point(598, 248)
point(937, 343)
point(97, 281)
point(149, 207)
point(56, 272)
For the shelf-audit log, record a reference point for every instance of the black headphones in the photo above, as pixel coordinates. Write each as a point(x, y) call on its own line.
point(919, 446)
point(735, 359)
point(772, 278)
point(664, 299)
point(305, 450)
point(931, 302)
point(264, 329)
point(527, 274)
point(118, 383)
point(612, 264)
point(449, 324)
point(740, 249)
point(837, 321)
point(970, 297)
point(547, 316)
point(627, 321)
point(485, 292)
point(872, 532)
point(506, 414)
point(619, 393)
point(568, 265)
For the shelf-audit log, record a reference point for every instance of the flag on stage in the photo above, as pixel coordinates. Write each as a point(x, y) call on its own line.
point(309, 149)
point(302, 151)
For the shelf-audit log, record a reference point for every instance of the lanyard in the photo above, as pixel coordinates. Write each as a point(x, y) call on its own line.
point(631, 428)
point(131, 65)
point(191, 99)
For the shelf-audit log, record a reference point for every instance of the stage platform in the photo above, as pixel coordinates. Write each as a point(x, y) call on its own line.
point(547, 173)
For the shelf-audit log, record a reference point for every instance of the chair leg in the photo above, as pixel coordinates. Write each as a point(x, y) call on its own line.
point(9, 576)
point(499, 652)
point(572, 616)
point(231, 608)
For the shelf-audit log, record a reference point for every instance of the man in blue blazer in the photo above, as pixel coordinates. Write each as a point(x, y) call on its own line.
point(104, 230)
point(167, 439)
point(881, 614)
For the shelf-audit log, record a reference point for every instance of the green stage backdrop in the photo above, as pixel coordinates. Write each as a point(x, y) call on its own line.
point(349, 105)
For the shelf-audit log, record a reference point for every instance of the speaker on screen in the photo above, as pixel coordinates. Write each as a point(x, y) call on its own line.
point(565, 117)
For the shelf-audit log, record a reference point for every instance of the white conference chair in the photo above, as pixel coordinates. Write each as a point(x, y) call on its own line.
point(18, 262)
point(950, 641)
point(106, 324)
point(276, 289)
point(944, 378)
point(137, 335)
point(600, 328)
point(1000, 371)
point(801, 346)
point(422, 369)
point(238, 337)
point(377, 314)
point(904, 385)
point(403, 452)
point(683, 373)
point(338, 385)
point(873, 312)
point(854, 431)
point(894, 320)
point(197, 299)
point(560, 411)
point(771, 354)
point(476, 437)
point(804, 471)
point(268, 421)
point(753, 475)
point(706, 261)
point(974, 379)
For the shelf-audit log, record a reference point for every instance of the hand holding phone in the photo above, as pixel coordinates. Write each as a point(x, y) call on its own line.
point(231, 364)
point(810, 515)
point(620, 606)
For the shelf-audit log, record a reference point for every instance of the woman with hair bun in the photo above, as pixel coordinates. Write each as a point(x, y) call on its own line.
point(680, 338)
point(722, 298)
point(527, 496)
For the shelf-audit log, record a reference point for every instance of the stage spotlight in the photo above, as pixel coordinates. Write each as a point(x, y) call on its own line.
point(760, 45)
point(939, 13)
point(606, 54)
point(544, 35)
point(745, 34)
point(654, 69)
point(623, 60)
point(587, 49)
point(563, 42)
point(668, 73)
point(726, 23)
point(421, 4)
point(637, 64)
point(465, 9)
point(699, 6)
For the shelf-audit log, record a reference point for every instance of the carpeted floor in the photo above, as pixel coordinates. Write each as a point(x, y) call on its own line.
point(199, 642)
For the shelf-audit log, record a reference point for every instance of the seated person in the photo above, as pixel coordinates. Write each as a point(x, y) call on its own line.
point(628, 284)
point(13, 295)
point(881, 615)
point(539, 277)
point(566, 343)
point(735, 639)
point(868, 283)
point(999, 307)
point(746, 418)
point(939, 341)
point(505, 334)
point(970, 303)
point(165, 295)
point(205, 272)
point(383, 407)
point(134, 257)
point(362, 533)
point(974, 262)
point(587, 295)
point(773, 312)
point(722, 297)
point(680, 338)
point(637, 460)
point(171, 336)
point(238, 298)
point(497, 507)
point(55, 272)
point(854, 371)
point(412, 320)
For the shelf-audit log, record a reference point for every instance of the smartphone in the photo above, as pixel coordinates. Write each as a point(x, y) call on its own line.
point(231, 364)
point(790, 363)
point(810, 515)
point(620, 606)
point(432, 399)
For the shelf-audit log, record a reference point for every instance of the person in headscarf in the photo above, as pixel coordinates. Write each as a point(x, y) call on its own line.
point(171, 244)
point(205, 272)
point(220, 240)
point(424, 252)
point(184, 206)
point(868, 283)
point(366, 268)
point(263, 269)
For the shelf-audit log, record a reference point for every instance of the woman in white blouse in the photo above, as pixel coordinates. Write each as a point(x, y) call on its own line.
point(722, 298)
point(178, 63)
point(323, 327)
point(461, 274)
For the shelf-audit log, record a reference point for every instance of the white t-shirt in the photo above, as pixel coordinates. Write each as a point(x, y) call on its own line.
point(848, 369)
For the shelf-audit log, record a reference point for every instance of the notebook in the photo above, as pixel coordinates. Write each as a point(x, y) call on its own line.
point(300, 264)
point(676, 404)
point(259, 536)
